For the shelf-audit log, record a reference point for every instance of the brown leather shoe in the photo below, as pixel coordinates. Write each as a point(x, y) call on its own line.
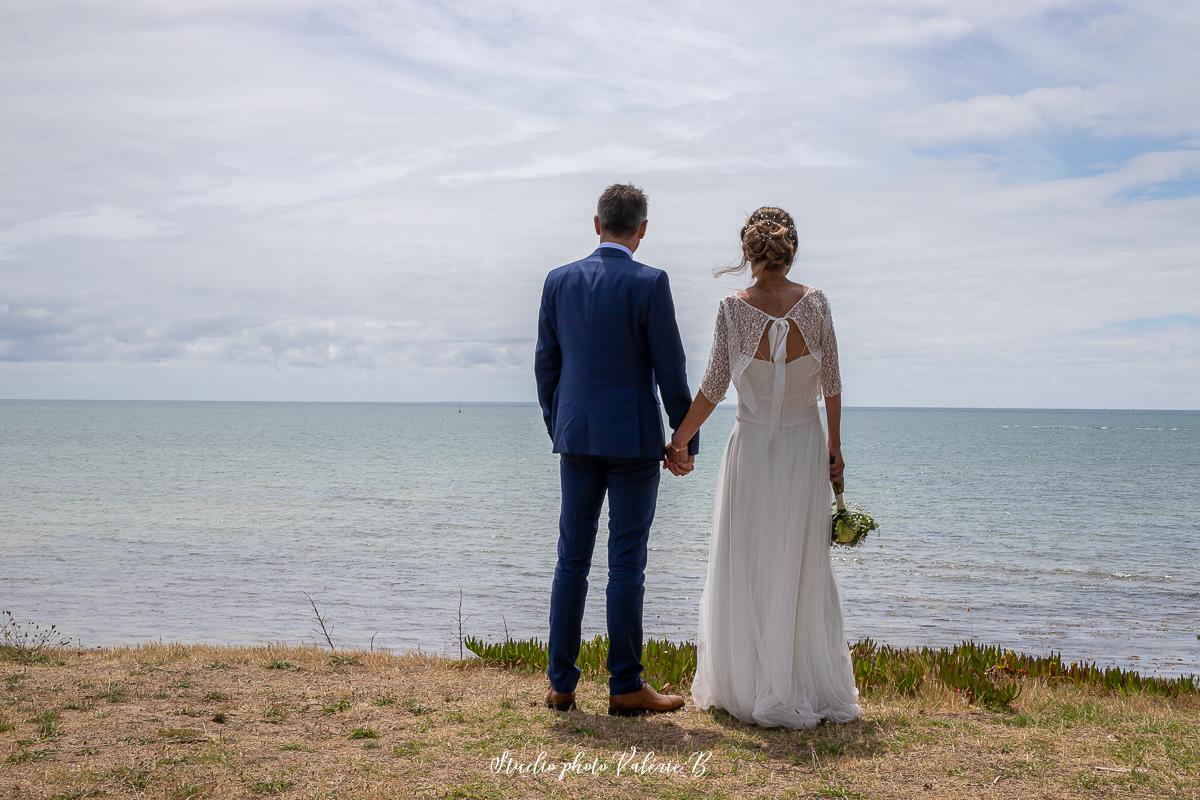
point(560, 701)
point(644, 701)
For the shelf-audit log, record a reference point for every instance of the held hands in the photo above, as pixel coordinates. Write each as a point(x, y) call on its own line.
point(678, 460)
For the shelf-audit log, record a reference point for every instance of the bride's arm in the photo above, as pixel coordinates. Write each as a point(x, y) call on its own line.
point(701, 408)
point(712, 389)
point(831, 388)
point(833, 416)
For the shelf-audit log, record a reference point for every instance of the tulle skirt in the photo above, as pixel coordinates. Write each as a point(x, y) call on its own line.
point(771, 645)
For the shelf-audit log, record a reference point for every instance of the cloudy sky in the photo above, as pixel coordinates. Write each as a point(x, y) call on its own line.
point(258, 199)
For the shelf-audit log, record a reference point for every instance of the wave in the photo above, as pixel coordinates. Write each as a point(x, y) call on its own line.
point(1103, 573)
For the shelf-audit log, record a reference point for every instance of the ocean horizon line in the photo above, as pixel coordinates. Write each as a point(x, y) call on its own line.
point(531, 403)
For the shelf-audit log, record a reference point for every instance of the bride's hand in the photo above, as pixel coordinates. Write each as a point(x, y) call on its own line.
point(678, 460)
point(837, 465)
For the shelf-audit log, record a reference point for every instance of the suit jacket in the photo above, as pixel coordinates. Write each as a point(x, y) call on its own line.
point(606, 337)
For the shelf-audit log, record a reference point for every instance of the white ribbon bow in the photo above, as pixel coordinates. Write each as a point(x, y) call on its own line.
point(777, 338)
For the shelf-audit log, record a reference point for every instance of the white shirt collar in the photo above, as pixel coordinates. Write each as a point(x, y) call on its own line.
point(619, 247)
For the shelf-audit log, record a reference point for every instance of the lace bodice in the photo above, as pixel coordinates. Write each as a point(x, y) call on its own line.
point(740, 327)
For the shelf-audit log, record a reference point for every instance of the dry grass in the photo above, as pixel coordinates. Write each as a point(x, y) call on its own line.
point(171, 721)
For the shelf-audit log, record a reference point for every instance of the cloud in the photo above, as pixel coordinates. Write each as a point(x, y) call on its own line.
point(1164, 322)
point(352, 201)
point(1106, 110)
point(83, 335)
point(101, 222)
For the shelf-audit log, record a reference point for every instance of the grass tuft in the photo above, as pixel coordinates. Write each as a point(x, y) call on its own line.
point(189, 791)
point(78, 793)
point(273, 786)
point(24, 755)
point(115, 693)
point(416, 709)
point(275, 714)
point(131, 777)
point(182, 735)
point(337, 706)
point(27, 642)
point(47, 724)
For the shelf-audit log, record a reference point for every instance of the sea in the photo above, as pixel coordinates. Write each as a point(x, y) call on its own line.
point(1072, 532)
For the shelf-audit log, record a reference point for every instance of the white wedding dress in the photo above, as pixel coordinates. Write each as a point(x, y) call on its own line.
point(771, 644)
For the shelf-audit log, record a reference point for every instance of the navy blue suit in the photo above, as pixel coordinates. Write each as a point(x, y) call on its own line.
point(607, 337)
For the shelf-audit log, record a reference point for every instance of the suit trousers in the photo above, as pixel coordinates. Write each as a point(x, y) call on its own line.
point(632, 488)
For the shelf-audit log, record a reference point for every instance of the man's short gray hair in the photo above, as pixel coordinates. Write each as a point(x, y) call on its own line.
point(622, 209)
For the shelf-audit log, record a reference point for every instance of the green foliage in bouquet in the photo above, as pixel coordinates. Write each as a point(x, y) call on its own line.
point(851, 523)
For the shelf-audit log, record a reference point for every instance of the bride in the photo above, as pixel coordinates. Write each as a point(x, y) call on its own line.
point(771, 648)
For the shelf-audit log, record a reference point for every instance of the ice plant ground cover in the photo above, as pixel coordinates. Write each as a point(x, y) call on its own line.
point(984, 674)
point(180, 721)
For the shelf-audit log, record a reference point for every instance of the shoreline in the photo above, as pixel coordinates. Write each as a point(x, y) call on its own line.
point(533, 404)
point(448, 651)
point(202, 721)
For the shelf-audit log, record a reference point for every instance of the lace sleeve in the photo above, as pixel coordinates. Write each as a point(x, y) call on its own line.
point(831, 376)
point(716, 376)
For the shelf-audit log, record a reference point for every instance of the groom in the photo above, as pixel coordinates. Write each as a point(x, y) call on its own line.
point(606, 336)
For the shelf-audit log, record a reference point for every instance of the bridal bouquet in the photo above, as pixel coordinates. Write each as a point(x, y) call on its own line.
point(851, 523)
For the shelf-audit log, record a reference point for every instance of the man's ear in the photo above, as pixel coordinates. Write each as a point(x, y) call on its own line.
point(642, 228)
point(596, 219)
